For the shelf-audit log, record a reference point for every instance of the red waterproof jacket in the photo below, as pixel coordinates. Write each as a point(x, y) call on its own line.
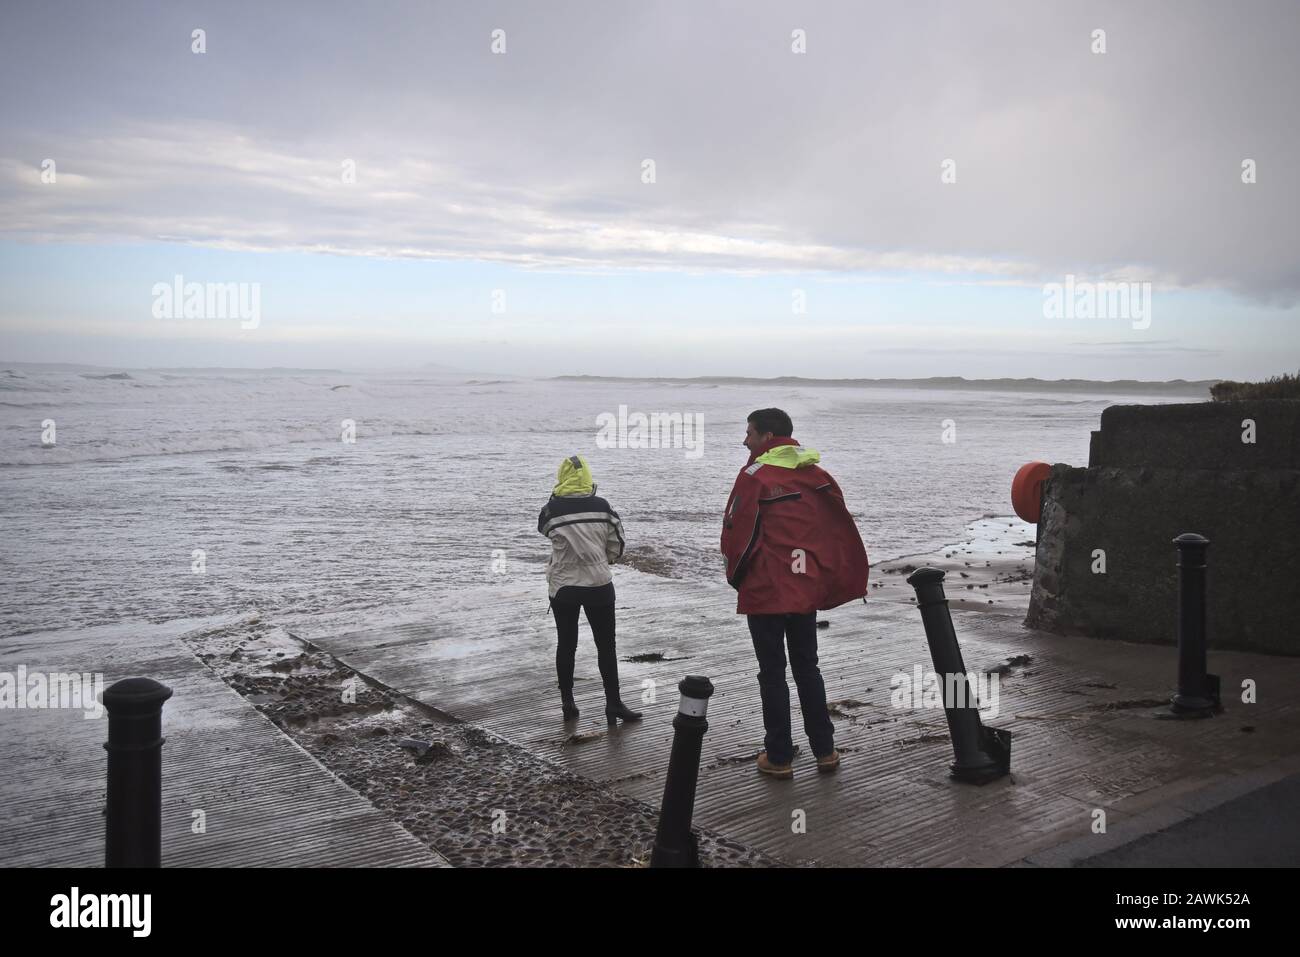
point(791, 545)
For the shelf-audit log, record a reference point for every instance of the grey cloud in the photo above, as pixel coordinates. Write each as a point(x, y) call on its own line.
point(1067, 162)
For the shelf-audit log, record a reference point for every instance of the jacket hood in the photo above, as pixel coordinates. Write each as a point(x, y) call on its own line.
point(786, 453)
point(574, 477)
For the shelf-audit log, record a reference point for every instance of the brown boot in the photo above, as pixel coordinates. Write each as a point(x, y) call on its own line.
point(829, 762)
point(782, 771)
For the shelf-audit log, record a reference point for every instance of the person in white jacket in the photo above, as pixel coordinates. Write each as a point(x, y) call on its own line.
point(586, 535)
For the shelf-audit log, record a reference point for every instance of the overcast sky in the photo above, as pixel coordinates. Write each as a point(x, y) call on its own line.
point(798, 221)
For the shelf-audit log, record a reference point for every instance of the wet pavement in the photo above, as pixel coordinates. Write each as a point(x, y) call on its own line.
point(1089, 728)
point(236, 791)
point(437, 738)
point(1258, 828)
point(475, 798)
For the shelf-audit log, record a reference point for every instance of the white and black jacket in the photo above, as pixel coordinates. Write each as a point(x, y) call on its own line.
point(586, 535)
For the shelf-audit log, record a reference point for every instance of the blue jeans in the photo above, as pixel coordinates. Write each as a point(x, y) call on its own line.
point(771, 634)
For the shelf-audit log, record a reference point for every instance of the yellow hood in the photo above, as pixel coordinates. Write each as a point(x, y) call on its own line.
point(790, 457)
point(574, 477)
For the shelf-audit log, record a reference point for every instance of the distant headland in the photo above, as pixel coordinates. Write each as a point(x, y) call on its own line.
point(1191, 387)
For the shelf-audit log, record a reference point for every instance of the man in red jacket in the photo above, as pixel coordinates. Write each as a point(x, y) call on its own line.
point(792, 548)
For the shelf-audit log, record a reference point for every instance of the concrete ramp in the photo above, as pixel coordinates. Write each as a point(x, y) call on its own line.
point(1088, 733)
point(266, 802)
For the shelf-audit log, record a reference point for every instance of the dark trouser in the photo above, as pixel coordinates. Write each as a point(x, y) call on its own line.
point(599, 608)
point(771, 633)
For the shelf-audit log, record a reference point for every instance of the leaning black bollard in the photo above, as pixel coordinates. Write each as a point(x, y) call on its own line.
point(674, 843)
point(982, 754)
point(134, 827)
point(1198, 692)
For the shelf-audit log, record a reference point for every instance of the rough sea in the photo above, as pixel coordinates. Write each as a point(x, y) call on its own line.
point(149, 496)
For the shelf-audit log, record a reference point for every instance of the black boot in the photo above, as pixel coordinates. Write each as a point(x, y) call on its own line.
point(566, 702)
point(565, 651)
point(608, 661)
point(615, 708)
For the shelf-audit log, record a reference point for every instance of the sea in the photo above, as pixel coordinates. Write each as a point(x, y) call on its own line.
point(153, 496)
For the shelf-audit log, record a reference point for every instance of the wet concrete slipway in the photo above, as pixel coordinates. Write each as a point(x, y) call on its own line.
point(452, 748)
point(264, 801)
point(1089, 729)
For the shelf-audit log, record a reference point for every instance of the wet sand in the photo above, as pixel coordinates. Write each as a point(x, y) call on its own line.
point(991, 569)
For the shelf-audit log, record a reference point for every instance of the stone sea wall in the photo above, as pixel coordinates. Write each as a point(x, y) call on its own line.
point(1230, 471)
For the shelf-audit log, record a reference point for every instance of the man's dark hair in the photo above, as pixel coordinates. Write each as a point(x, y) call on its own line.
point(772, 420)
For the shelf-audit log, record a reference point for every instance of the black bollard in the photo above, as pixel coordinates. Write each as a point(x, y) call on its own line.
point(1198, 692)
point(981, 754)
point(674, 843)
point(134, 825)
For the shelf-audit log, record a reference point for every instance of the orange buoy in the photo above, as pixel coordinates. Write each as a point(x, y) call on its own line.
point(1027, 490)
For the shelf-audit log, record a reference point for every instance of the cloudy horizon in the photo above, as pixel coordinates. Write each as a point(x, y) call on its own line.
point(667, 189)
